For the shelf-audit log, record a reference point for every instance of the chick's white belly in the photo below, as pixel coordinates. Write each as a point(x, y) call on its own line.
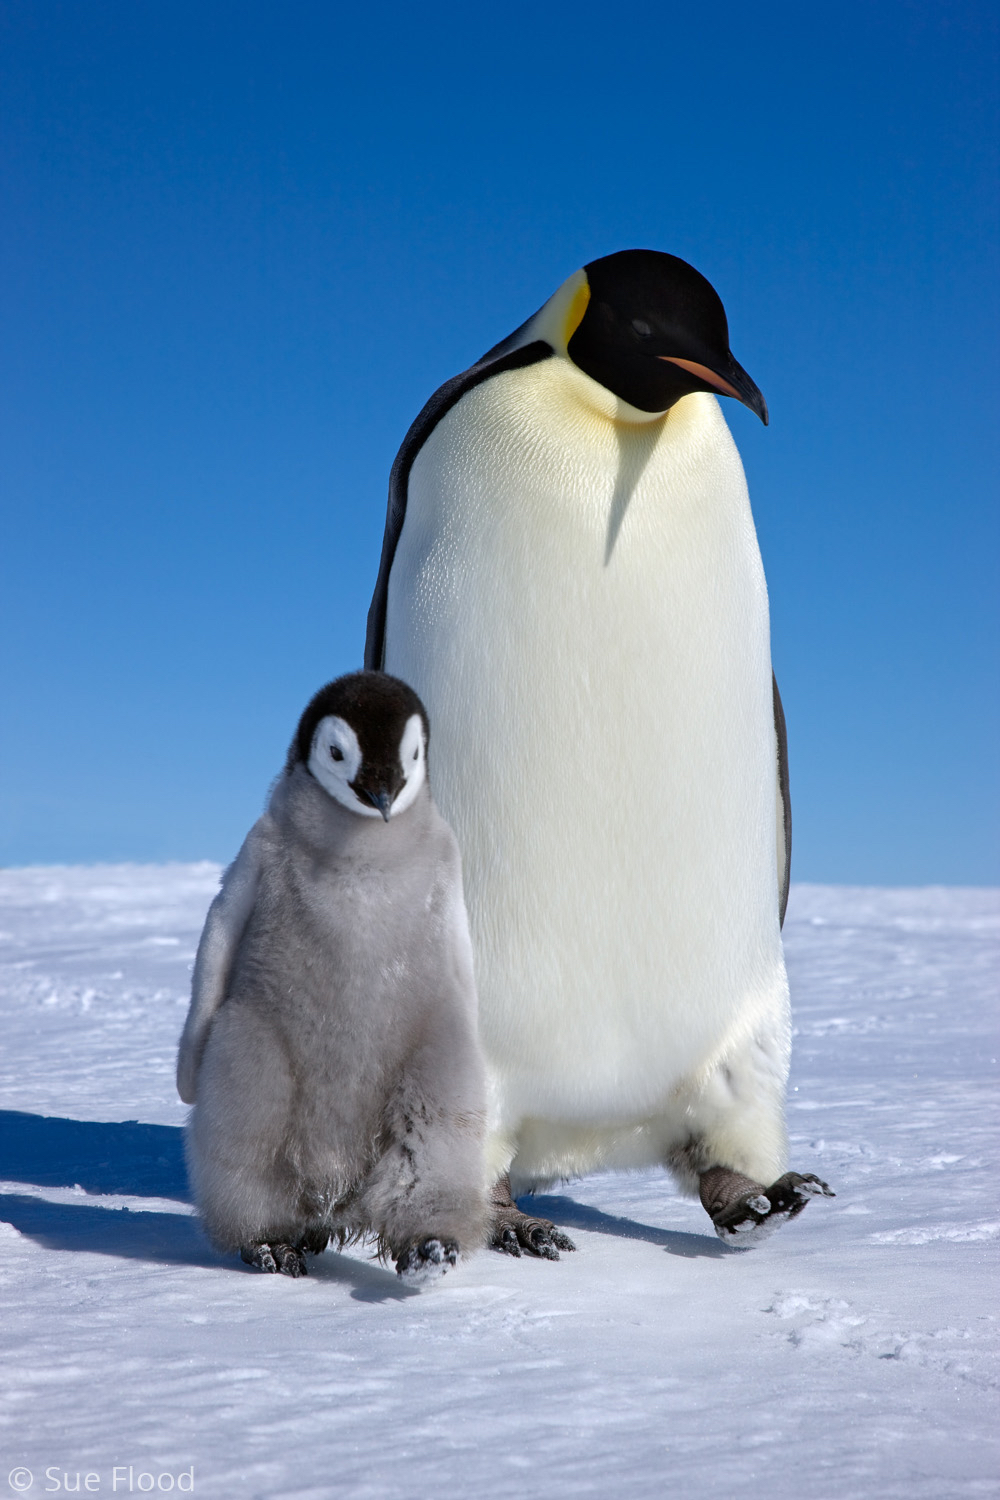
point(602, 744)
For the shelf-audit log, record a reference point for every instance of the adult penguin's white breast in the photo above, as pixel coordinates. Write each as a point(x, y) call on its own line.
point(580, 602)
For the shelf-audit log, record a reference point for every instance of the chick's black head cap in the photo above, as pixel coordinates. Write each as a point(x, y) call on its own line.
point(375, 705)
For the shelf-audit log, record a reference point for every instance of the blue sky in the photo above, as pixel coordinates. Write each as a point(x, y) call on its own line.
point(243, 243)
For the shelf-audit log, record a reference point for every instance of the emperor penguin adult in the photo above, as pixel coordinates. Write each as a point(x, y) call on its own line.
point(571, 580)
point(330, 1050)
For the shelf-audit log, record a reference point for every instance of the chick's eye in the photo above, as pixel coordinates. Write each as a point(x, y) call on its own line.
point(336, 752)
point(416, 753)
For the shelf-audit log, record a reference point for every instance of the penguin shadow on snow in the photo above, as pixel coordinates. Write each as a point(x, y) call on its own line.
point(371, 1281)
point(174, 1240)
point(633, 458)
point(124, 1158)
point(126, 1234)
point(127, 1157)
point(133, 1160)
point(569, 1214)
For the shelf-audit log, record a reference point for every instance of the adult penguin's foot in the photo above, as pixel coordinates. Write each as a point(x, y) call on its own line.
point(513, 1232)
point(275, 1256)
point(745, 1213)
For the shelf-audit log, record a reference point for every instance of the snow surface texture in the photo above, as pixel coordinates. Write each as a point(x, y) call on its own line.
point(854, 1355)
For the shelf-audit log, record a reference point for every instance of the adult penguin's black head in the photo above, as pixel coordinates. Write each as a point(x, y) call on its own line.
point(655, 330)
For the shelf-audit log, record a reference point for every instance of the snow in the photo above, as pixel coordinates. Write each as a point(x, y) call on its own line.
point(853, 1355)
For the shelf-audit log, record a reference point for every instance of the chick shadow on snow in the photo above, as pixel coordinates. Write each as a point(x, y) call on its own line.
point(132, 1159)
point(174, 1240)
point(136, 1160)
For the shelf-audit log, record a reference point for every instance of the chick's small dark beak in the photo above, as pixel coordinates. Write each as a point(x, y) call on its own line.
point(378, 787)
point(381, 800)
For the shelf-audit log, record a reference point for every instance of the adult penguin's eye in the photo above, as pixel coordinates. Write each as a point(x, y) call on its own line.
point(416, 753)
point(336, 752)
point(641, 328)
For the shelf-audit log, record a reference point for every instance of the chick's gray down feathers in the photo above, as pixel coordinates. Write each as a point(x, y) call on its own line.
point(330, 1051)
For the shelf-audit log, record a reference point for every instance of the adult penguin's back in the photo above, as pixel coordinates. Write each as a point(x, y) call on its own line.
point(570, 579)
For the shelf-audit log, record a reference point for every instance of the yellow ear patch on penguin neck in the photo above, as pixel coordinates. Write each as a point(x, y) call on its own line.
point(557, 320)
point(577, 308)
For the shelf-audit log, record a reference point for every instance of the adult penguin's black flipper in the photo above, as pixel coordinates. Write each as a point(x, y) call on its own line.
point(783, 808)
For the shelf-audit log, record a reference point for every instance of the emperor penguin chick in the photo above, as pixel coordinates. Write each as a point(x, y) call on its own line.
point(330, 1050)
